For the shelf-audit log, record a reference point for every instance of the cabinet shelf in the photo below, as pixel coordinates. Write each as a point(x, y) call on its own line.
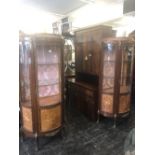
point(110, 61)
point(110, 77)
point(49, 84)
point(49, 100)
point(48, 64)
point(113, 61)
point(123, 90)
point(26, 104)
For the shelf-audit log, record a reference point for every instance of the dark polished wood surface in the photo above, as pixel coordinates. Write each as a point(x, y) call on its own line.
point(88, 48)
point(84, 96)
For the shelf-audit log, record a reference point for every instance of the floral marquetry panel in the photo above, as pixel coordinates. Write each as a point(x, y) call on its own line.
point(27, 118)
point(50, 118)
point(124, 105)
point(107, 103)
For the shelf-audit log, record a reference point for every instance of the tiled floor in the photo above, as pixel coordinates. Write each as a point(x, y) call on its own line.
point(83, 137)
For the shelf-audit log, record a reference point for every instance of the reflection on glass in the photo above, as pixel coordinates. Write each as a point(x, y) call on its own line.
point(109, 68)
point(126, 68)
point(109, 52)
point(25, 60)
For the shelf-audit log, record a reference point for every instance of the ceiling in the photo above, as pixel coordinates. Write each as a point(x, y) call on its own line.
point(83, 13)
point(64, 7)
point(55, 6)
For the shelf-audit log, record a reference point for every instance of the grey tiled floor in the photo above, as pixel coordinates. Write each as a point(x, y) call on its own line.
point(83, 137)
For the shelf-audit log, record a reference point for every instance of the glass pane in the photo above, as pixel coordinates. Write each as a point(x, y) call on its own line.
point(48, 60)
point(109, 52)
point(48, 54)
point(48, 74)
point(25, 62)
point(126, 68)
point(49, 90)
point(109, 68)
point(108, 85)
point(126, 81)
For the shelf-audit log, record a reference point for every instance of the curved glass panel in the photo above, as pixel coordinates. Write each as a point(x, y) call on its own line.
point(25, 63)
point(126, 77)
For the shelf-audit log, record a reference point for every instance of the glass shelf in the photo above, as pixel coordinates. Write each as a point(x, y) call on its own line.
point(110, 61)
point(44, 64)
point(49, 84)
point(123, 90)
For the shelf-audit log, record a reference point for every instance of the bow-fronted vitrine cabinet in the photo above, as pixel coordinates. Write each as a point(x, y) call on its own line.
point(41, 83)
point(116, 77)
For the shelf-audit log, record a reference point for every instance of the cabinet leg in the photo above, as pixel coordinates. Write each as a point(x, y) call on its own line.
point(98, 116)
point(21, 135)
point(115, 121)
point(37, 143)
point(62, 133)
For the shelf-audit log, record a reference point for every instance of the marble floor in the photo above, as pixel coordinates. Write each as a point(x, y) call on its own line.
point(83, 137)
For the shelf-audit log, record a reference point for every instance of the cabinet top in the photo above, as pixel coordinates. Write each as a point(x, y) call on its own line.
point(41, 37)
point(117, 40)
point(103, 27)
point(83, 84)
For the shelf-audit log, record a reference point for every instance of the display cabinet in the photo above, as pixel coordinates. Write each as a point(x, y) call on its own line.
point(116, 77)
point(41, 83)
